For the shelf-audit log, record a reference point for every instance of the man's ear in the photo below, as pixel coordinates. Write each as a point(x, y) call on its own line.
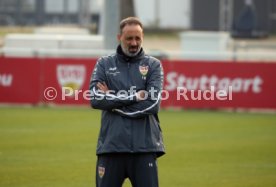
point(119, 37)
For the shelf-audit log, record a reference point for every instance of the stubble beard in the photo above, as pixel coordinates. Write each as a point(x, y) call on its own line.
point(128, 53)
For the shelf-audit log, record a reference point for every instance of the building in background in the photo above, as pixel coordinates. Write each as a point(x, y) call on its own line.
point(164, 14)
point(39, 12)
point(156, 13)
point(212, 15)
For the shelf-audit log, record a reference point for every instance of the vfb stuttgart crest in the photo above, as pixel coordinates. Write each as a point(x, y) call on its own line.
point(72, 76)
point(101, 171)
point(144, 71)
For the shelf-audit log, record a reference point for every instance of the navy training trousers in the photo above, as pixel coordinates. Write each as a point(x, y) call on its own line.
point(113, 168)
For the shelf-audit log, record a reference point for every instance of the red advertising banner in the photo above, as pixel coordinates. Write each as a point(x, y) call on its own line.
point(219, 85)
point(66, 81)
point(19, 80)
point(187, 84)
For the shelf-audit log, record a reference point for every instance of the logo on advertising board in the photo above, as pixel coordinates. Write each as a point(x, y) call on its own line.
point(72, 76)
point(6, 80)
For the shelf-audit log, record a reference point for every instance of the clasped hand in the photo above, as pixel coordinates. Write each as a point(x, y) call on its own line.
point(140, 95)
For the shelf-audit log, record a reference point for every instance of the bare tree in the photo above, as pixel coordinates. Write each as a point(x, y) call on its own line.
point(84, 12)
point(114, 11)
point(126, 8)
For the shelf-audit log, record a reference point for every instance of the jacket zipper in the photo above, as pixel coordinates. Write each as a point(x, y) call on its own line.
point(131, 133)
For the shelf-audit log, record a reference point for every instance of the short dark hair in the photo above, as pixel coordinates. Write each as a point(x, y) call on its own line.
point(130, 21)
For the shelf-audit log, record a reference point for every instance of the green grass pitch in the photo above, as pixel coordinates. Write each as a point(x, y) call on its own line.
point(55, 147)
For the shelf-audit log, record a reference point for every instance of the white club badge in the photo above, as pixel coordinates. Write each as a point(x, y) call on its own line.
point(144, 71)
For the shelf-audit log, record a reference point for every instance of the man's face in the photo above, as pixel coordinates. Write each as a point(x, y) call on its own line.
point(131, 39)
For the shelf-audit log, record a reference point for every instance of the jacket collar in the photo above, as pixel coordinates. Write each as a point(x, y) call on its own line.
point(123, 57)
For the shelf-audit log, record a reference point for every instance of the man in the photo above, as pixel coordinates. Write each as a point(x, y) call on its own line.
point(127, 86)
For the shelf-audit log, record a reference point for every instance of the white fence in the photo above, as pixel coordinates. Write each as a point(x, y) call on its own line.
point(94, 53)
point(194, 46)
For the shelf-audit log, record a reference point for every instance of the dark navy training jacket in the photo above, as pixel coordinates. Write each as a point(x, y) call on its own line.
point(128, 125)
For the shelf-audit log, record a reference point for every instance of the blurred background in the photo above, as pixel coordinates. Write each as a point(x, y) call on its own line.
point(238, 22)
point(48, 139)
point(64, 38)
